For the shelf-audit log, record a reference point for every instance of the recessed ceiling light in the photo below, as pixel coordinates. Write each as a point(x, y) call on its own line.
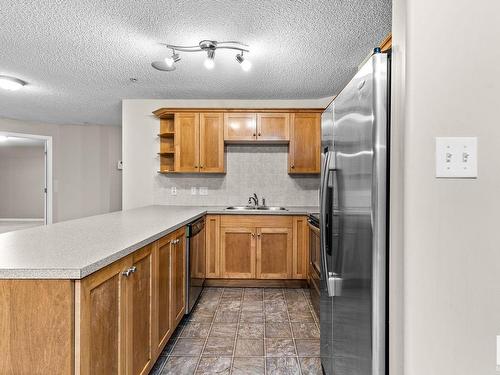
point(11, 83)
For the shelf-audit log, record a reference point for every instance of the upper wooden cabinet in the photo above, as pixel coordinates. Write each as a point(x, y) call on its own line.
point(240, 127)
point(211, 143)
point(305, 143)
point(192, 140)
point(187, 142)
point(199, 143)
point(273, 127)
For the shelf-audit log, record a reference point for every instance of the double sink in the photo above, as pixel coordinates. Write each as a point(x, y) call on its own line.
point(258, 208)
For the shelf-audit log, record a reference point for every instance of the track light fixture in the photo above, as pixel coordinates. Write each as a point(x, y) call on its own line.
point(208, 46)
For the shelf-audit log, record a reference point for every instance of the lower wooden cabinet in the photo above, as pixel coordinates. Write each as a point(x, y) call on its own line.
point(178, 277)
point(274, 253)
point(140, 312)
point(238, 252)
point(101, 327)
point(126, 312)
point(212, 246)
point(259, 247)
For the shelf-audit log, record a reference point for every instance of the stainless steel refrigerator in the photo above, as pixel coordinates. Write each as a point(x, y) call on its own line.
point(354, 224)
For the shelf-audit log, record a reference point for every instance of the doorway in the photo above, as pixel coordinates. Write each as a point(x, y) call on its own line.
point(26, 181)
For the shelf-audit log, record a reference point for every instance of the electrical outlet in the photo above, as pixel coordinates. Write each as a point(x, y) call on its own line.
point(203, 191)
point(173, 190)
point(194, 190)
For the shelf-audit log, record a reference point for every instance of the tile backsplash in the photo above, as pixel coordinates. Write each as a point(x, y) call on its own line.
point(261, 169)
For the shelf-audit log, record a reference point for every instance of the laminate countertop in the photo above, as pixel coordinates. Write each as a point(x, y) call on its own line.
point(76, 248)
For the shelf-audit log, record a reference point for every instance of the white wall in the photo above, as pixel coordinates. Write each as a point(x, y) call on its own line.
point(22, 179)
point(451, 241)
point(264, 167)
point(86, 180)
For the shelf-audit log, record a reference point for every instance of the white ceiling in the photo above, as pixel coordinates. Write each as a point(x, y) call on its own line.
point(78, 55)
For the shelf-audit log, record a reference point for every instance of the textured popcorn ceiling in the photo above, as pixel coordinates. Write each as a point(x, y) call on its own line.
point(78, 55)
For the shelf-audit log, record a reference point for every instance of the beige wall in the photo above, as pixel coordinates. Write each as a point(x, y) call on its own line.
point(86, 180)
point(143, 186)
point(22, 179)
point(451, 243)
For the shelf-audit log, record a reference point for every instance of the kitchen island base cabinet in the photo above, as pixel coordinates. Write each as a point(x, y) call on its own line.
point(126, 312)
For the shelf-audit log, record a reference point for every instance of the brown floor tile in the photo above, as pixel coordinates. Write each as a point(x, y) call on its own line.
point(278, 316)
point(252, 306)
point(280, 348)
point(188, 347)
point(232, 293)
point(308, 348)
point(249, 348)
point(223, 330)
point(304, 330)
point(251, 330)
point(254, 294)
point(180, 366)
point(201, 316)
point(275, 306)
point(226, 316)
point(252, 317)
point(222, 346)
point(214, 365)
point(273, 294)
point(278, 330)
point(282, 366)
point(310, 366)
point(230, 305)
point(196, 330)
point(300, 315)
point(248, 366)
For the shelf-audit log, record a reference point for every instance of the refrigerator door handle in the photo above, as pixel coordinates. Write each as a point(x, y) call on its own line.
point(333, 280)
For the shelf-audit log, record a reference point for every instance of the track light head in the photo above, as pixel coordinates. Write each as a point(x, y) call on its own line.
point(245, 64)
point(209, 61)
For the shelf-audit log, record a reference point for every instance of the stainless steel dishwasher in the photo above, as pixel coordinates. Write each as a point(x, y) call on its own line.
point(195, 262)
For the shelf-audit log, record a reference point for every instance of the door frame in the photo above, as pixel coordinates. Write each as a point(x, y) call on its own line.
point(48, 204)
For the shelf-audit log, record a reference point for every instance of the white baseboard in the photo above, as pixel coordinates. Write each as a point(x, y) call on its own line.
point(23, 219)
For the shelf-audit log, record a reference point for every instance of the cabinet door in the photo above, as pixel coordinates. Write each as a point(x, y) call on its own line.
point(212, 246)
point(186, 142)
point(300, 247)
point(238, 253)
point(305, 143)
point(162, 292)
point(211, 143)
point(140, 312)
point(274, 253)
point(240, 127)
point(273, 126)
point(178, 277)
point(102, 329)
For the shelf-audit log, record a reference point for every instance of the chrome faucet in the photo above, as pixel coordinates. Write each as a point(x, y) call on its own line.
point(255, 200)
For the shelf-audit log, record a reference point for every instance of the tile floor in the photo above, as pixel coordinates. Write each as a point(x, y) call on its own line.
point(245, 331)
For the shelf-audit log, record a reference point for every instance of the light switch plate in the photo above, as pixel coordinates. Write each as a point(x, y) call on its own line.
point(203, 190)
point(173, 190)
point(119, 165)
point(194, 190)
point(456, 157)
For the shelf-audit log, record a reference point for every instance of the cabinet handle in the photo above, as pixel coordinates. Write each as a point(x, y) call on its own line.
point(133, 269)
point(127, 272)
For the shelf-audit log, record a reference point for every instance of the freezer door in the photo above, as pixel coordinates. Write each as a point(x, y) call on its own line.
point(353, 210)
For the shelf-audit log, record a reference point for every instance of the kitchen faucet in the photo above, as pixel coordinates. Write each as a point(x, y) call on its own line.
point(255, 200)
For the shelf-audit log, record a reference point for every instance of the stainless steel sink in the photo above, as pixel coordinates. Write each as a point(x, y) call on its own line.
point(252, 208)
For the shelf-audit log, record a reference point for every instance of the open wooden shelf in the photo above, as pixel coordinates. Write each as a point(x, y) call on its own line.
point(166, 135)
point(166, 153)
point(167, 144)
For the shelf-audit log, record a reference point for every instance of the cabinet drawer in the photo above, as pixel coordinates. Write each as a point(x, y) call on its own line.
point(256, 221)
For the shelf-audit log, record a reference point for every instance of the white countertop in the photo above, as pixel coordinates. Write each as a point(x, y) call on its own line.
point(76, 248)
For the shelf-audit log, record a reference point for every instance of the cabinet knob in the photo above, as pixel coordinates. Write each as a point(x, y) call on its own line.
point(259, 134)
point(133, 269)
point(258, 235)
point(292, 166)
point(253, 234)
point(129, 271)
point(254, 134)
point(195, 166)
point(201, 166)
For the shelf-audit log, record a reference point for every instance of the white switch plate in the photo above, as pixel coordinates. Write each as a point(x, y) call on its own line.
point(194, 190)
point(173, 190)
point(203, 190)
point(456, 157)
